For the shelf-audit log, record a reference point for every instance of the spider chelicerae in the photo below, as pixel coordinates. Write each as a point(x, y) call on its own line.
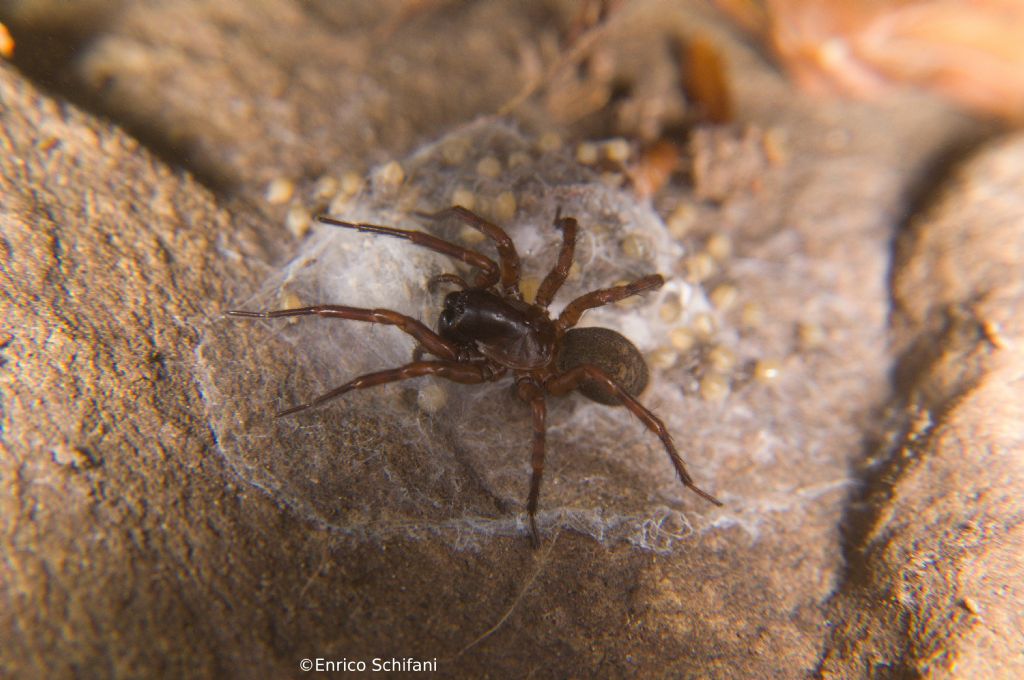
point(487, 330)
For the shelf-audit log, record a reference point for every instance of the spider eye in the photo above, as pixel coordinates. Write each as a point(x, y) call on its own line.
point(446, 318)
point(454, 306)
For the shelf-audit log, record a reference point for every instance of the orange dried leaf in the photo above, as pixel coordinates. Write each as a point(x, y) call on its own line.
point(6, 42)
point(654, 168)
point(705, 82)
point(971, 51)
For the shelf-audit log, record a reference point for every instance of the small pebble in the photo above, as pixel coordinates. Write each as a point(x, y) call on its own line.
point(298, 220)
point(464, 197)
point(279, 191)
point(352, 182)
point(528, 286)
point(489, 167)
point(751, 315)
point(663, 357)
point(722, 359)
point(617, 150)
point(700, 267)
point(724, 296)
point(587, 153)
point(431, 397)
point(635, 247)
point(391, 174)
point(630, 301)
point(670, 310)
point(325, 188)
point(339, 204)
point(703, 325)
point(503, 208)
point(719, 246)
point(767, 370)
point(681, 220)
point(714, 387)
point(811, 335)
point(471, 236)
point(290, 300)
point(549, 142)
point(683, 339)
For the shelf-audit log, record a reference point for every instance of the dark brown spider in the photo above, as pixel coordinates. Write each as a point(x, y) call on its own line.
point(486, 330)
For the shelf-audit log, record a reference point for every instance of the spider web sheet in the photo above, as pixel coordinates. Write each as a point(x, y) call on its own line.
point(432, 459)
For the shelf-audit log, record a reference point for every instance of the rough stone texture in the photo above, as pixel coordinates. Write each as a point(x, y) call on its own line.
point(302, 88)
point(108, 261)
point(934, 585)
point(132, 547)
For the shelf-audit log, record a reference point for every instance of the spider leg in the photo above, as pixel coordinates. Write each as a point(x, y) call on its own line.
point(571, 379)
point(530, 392)
point(489, 270)
point(556, 277)
point(507, 255)
point(435, 281)
point(603, 296)
point(428, 339)
point(450, 370)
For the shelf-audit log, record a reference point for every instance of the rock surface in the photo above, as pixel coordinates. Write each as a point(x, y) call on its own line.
point(871, 526)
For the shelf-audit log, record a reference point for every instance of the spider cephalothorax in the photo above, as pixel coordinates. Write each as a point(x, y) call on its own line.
point(487, 329)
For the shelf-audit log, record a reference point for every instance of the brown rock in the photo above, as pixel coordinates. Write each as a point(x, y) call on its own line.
point(937, 563)
point(140, 541)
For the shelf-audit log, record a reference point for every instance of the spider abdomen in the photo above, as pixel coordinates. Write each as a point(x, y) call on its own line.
point(612, 353)
point(505, 330)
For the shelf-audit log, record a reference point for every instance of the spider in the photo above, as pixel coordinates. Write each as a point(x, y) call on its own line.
point(487, 330)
